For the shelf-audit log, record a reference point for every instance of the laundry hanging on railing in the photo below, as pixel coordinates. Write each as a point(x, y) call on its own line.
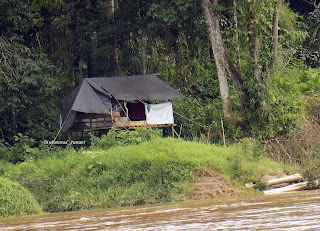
point(161, 113)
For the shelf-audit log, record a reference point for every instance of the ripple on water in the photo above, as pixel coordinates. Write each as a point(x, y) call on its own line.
point(292, 211)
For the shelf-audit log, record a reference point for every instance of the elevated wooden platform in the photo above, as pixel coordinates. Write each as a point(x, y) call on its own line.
point(93, 122)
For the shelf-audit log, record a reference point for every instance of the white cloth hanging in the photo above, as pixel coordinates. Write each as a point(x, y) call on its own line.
point(161, 113)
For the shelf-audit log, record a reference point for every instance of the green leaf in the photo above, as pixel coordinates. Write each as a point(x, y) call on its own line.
point(272, 99)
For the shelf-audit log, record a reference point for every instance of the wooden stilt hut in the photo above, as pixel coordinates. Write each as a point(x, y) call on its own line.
point(102, 102)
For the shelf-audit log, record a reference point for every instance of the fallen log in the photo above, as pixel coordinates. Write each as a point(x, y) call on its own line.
point(286, 179)
point(289, 188)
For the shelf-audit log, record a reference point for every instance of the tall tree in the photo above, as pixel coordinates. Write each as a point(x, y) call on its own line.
point(212, 21)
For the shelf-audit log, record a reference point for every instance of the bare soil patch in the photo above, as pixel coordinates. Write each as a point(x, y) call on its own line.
point(212, 184)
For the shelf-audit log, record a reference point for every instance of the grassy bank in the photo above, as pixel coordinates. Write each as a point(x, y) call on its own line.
point(158, 171)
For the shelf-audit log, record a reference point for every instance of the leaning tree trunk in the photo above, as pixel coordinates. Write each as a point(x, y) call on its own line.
point(212, 21)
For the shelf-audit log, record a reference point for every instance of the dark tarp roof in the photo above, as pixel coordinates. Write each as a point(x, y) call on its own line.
point(138, 87)
point(94, 94)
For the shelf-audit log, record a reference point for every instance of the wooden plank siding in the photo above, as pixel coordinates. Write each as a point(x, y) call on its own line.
point(92, 122)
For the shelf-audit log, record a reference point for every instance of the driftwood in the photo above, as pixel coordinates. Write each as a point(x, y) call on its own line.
point(286, 179)
point(289, 188)
point(284, 184)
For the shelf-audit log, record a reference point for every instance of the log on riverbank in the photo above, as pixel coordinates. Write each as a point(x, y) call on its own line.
point(289, 188)
point(286, 179)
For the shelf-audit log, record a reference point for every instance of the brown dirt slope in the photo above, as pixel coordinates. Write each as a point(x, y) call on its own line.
point(212, 184)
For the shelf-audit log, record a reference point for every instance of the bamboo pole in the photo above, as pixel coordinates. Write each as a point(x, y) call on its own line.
point(60, 129)
point(176, 133)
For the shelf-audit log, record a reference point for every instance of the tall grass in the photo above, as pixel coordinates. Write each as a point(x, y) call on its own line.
point(156, 171)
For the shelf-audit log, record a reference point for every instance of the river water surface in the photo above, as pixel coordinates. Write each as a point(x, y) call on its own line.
point(291, 211)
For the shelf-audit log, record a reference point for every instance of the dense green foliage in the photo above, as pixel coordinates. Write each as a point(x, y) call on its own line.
point(285, 105)
point(156, 171)
point(116, 138)
point(28, 78)
point(22, 149)
point(16, 200)
point(47, 47)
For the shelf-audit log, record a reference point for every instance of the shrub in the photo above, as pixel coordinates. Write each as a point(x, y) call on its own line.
point(5, 152)
point(114, 137)
point(20, 151)
point(16, 200)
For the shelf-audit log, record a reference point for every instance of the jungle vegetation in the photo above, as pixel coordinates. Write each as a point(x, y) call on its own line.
point(251, 65)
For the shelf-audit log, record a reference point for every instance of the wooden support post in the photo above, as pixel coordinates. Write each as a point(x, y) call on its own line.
point(224, 138)
point(70, 139)
point(172, 128)
point(208, 136)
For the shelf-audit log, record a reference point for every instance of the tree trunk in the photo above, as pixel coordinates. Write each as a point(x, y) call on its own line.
point(237, 81)
point(275, 34)
point(234, 73)
point(142, 43)
point(110, 6)
point(255, 48)
point(212, 21)
point(78, 61)
point(236, 34)
point(79, 70)
point(110, 9)
point(256, 54)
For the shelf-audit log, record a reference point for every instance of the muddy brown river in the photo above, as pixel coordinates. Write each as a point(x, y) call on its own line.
point(291, 211)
